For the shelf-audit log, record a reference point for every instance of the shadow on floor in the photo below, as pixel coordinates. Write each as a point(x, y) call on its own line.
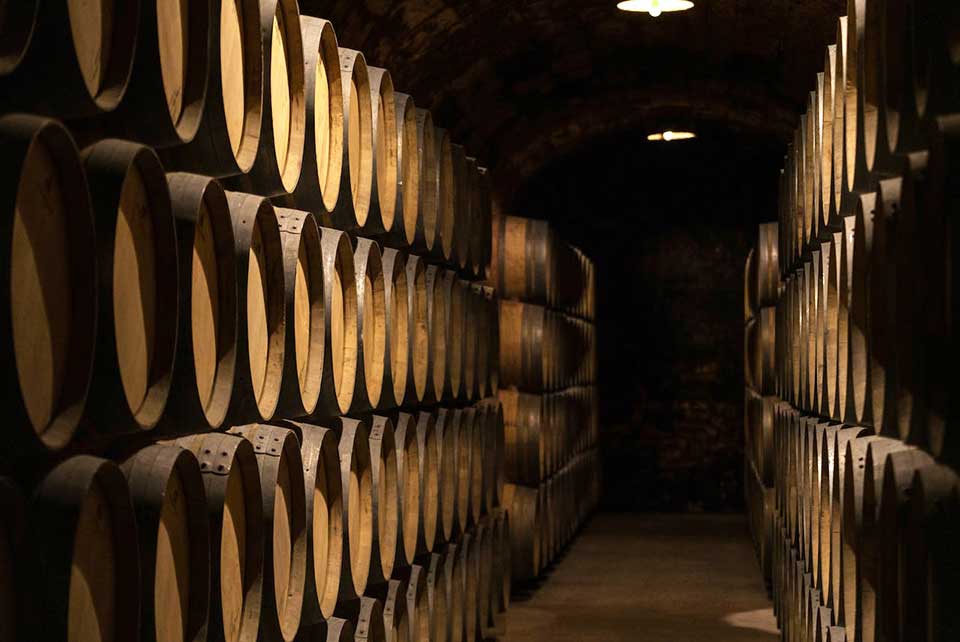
point(639, 578)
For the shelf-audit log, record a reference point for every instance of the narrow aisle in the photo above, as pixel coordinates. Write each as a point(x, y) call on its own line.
point(656, 578)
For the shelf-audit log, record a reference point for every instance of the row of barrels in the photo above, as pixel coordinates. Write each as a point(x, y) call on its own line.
point(543, 349)
point(140, 298)
point(887, 80)
point(532, 263)
point(254, 93)
point(761, 274)
point(543, 432)
point(863, 534)
point(251, 533)
point(545, 517)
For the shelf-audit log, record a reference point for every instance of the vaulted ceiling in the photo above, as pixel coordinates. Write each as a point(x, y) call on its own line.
point(523, 82)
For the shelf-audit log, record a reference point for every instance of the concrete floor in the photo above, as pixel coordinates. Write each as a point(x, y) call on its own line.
point(656, 578)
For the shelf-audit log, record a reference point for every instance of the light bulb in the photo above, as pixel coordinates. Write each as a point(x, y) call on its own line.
point(668, 135)
point(654, 8)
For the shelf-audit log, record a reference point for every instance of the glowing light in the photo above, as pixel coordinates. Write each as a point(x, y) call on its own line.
point(654, 7)
point(669, 136)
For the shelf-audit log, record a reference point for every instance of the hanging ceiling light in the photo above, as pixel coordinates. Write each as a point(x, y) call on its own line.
point(654, 7)
point(670, 135)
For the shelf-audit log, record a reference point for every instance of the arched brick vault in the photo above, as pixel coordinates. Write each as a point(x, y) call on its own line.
point(522, 82)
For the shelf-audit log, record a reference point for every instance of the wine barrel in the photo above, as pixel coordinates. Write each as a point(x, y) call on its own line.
point(444, 437)
point(318, 189)
point(841, 117)
point(279, 157)
point(164, 101)
point(204, 367)
point(463, 458)
point(822, 623)
point(262, 313)
point(303, 353)
point(340, 324)
point(52, 282)
point(437, 589)
point(472, 224)
point(493, 340)
point(366, 614)
point(862, 84)
point(829, 119)
point(324, 519)
point(524, 434)
point(356, 479)
point(481, 318)
point(371, 326)
point(417, 321)
point(524, 508)
point(396, 620)
point(88, 49)
point(459, 225)
point(231, 126)
point(396, 323)
point(408, 490)
point(844, 321)
point(502, 580)
point(522, 263)
point(477, 418)
point(484, 224)
point(356, 176)
point(468, 388)
point(386, 167)
point(284, 518)
point(767, 261)
point(454, 298)
point(173, 541)
point(418, 604)
point(495, 460)
point(454, 570)
point(437, 331)
point(444, 240)
point(404, 231)
point(524, 346)
point(234, 507)
point(824, 538)
point(892, 512)
point(137, 255)
point(426, 231)
point(468, 552)
point(484, 572)
point(386, 503)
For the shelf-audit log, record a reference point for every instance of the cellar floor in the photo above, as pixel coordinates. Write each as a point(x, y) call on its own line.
point(656, 578)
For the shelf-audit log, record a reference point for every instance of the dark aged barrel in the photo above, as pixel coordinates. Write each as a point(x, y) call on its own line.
point(279, 158)
point(463, 462)
point(340, 324)
point(425, 229)
point(173, 540)
point(137, 258)
point(371, 326)
point(262, 314)
point(471, 222)
point(522, 262)
point(404, 231)
point(503, 579)
point(356, 176)
point(417, 321)
point(477, 456)
point(284, 519)
point(443, 244)
point(418, 605)
point(482, 225)
point(203, 370)
point(319, 186)
point(324, 519)
point(52, 282)
point(493, 339)
point(437, 332)
point(437, 597)
point(366, 613)
point(88, 48)
point(85, 585)
point(227, 138)
point(303, 353)
point(383, 134)
point(397, 323)
point(481, 318)
point(453, 293)
point(524, 508)
point(453, 569)
point(523, 345)
point(494, 460)
point(165, 100)
point(234, 508)
point(408, 491)
point(357, 484)
point(386, 506)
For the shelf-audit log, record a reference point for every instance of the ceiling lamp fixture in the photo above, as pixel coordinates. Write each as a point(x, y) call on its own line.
point(654, 7)
point(669, 136)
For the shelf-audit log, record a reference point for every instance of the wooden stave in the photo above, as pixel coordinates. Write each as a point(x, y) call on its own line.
point(18, 133)
point(320, 48)
point(240, 457)
point(368, 263)
point(386, 502)
point(107, 165)
point(396, 620)
point(396, 321)
point(418, 606)
point(247, 211)
point(354, 448)
point(148, 473)
point(352, 210)
point(319, 448)
point(210, 150)
point(382, 214)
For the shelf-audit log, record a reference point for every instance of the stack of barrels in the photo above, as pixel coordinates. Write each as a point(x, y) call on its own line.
point(856, 419)
point(252, 338)
point(547, 387)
